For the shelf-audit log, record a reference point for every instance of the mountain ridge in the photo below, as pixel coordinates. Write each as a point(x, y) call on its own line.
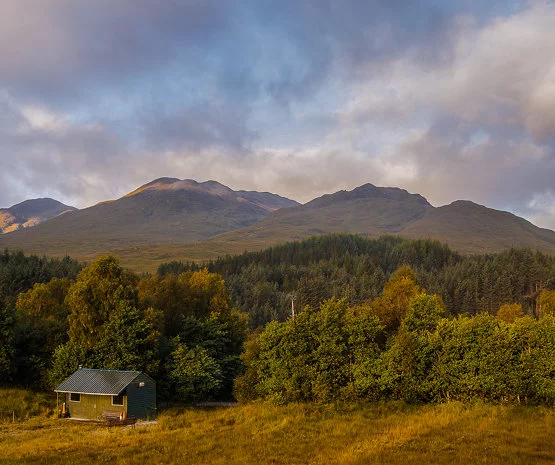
point(169, 218)
point(166, 210)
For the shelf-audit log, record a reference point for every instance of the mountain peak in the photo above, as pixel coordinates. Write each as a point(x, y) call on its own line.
point(30, 213)
point(165, 183)
point(368, 191)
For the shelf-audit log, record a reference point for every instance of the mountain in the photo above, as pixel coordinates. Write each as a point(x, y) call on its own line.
point(30, 213)
point(374, 211)
point(166, 210)
point(472, 228)
point(367, 210)
point(171, 219)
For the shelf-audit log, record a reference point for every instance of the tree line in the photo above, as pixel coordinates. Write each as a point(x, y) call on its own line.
point(402, 346)
point(181, 330)
point(385, 318)
point(357, 268)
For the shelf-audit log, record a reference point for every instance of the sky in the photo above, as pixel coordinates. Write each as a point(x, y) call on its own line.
point(451, 99)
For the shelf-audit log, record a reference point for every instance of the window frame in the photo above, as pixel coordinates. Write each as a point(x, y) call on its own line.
point(122, 401)
point(78, 394)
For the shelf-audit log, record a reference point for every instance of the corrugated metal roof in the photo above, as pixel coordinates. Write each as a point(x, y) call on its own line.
point(90, 381)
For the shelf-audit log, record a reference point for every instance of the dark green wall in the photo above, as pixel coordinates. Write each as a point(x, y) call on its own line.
point(141, 400)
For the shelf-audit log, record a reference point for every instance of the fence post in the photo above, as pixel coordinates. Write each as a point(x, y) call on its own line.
point(13, 416)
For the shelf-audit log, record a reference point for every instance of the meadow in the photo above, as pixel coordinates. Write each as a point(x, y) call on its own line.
point(261, 433)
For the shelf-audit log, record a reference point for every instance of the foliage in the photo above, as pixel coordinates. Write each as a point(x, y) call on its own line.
point(316, 356)
point(107, 328)
point(194, 372)
point(41, 315)
point(18, 273)
point(335, 353)
point(197, 312)
point(6, 342)
point(101, 288)
point(546, 302)
point(510, 312)
point(356, 268)
point(399, 290)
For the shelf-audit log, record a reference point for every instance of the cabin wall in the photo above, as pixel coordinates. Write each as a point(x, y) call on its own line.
point(142, 399)
point(91, 406)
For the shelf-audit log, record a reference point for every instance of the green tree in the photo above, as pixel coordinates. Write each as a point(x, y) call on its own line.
point(322, 355)
point(424, 313)
point(100, 289)
point(475, 358)
point(194, 373)
point(66, 359)
point(6, 342)
point(364, 336)
point(41, 321)
point(536, 340)
point(107, 327)
point(404, 369)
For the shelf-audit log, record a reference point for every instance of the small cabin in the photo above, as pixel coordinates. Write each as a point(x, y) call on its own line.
point(88, 393)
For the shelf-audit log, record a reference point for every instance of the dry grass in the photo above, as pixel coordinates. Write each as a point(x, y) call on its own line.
point(25, 404)
point(390, 433)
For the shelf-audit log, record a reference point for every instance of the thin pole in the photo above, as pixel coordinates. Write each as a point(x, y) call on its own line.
point(13, 416)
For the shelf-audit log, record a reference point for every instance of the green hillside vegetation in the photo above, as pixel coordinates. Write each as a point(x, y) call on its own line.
point(384, 433)
point(381, 372)
point(185, 326)
point(356, 268)
point(184, 331)
point(341, 353)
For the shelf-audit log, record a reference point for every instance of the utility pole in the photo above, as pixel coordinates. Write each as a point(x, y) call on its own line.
point(292, 297)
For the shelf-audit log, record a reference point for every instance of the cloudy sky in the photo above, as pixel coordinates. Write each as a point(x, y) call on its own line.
point(452, 99)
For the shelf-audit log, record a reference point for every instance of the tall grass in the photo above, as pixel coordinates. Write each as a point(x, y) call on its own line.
point(384, 433)
point(25, 404)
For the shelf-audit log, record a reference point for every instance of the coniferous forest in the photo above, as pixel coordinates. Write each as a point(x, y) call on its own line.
point(374, 319)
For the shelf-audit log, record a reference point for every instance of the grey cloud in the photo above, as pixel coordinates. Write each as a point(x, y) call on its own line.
point(60, 46)
point(432, 96)
point(54, 158)
point(212, 124)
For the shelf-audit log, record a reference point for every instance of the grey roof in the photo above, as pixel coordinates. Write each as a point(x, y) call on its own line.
point(89, 381)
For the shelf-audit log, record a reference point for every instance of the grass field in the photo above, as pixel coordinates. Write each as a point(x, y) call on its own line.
point(391, 433)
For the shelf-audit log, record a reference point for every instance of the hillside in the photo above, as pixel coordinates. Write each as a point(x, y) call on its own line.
point(171, 219)
point(164, 211)
point(471, 228)
point(373, 211)
point(30, 213)
point(365, 210)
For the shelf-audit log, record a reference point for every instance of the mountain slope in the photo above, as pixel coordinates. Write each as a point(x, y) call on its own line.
point(373, 211)
point(30, 213)
point(166, 210)
point(472, 228)
point(172, 219)
point(368, 210)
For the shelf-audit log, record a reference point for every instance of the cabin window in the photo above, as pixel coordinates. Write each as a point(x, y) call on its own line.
point(117, 400)
point(74, 397)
